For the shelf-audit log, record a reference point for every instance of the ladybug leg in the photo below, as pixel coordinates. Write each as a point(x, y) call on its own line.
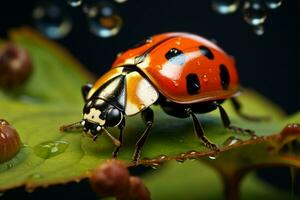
point(121, 127)
point(148, 117)
point(200, 132)
point(85, 90)
point(237, 107)
point(226, 123)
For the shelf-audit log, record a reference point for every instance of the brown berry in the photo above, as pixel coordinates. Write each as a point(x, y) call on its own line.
point(10, 142)
point(110, 179)
point(138, 190)
point(15, 66)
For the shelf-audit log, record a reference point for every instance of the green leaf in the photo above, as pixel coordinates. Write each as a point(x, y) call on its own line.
point(52, 98)
point(196, 180)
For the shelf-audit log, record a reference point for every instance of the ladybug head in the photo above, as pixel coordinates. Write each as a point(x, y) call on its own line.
point(97, 115)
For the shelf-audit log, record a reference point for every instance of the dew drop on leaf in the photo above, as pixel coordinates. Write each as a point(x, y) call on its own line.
point(74, 3)
point(212, 157)
point(225, 6)
point(10, 165)
point(254, 12)
point(231, 141)
point(50, 149)
point(35, 176)
point(51, 19)
point(103, 19)
point(120, 1)
point(273, 4)
point(161, 158)
point(154, 165)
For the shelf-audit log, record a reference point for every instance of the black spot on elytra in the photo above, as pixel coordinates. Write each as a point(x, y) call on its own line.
point(192, 84)
point(175, 56)
point(206, 52)
point(224, 76)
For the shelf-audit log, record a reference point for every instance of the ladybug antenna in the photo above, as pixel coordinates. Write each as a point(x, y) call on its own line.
point(77, 126)
point(114, 140)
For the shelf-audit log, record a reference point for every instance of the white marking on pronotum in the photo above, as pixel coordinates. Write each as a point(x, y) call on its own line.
point(94, 116)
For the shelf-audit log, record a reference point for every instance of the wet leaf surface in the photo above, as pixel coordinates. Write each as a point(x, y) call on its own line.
point(52, 98)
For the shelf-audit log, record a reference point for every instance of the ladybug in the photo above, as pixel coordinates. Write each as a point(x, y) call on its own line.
point(182, 72)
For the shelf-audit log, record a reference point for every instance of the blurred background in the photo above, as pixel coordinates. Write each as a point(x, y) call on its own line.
point(268, 63)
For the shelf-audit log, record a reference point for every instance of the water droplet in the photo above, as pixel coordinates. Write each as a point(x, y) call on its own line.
point(191, 155)
point(161, 158)
point(154, 165)
point(35, 176)
point(273, 4)
point(254, 12)
point(24, 145)
point(181, 158)
point(50, 149)
point(231, 141)
point(291, 130)
point(74, 3)
point(205, 78)
point(178, 43)
point(120, 1)
point(10, 165)
point(225, 6)
point(175, 83)
point(259, 30)
point(103, 19)
point(51, 19)
point(212, 157)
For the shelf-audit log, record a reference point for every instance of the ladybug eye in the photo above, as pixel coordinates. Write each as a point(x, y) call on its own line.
point(113, 117)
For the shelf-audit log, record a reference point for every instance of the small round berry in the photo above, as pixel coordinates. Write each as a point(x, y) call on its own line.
point(110, 179)
point(138, 190)
point(10, 142)
point(15, 66)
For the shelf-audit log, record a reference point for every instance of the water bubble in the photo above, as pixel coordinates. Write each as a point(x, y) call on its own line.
point(120, 1)
point(231, 141)
point(50, 149)
point(35, 176)
point(10, 165)
point(225, 6)
point(103, 19)
point(212, 157)
point(181, 158)
point(273, 4)
point(51, 19)
point(74, 3)
point(154, 165)
point(254, 12)
point(205, 78)
point(259, 30)
point(161, 158)
point(191, 155)
point(24, 145)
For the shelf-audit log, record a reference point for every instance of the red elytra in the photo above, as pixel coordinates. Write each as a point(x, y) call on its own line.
point(199, 56)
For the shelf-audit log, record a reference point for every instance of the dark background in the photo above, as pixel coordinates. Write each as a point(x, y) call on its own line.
point(269, 63)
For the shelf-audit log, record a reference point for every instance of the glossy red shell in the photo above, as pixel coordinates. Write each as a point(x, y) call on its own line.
point(170, 78)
